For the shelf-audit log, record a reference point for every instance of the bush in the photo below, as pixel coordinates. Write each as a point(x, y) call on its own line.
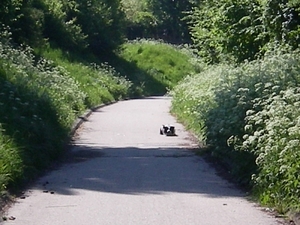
point(248, 115)
point(40, 100)
point(11, 163)
point(193, 98)
point(272, 134)
point(39, 104)
point(99, 81)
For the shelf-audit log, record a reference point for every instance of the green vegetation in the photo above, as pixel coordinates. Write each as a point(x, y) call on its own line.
point(40, 99)
point(244, 106)
point(249, 116)
point(243, 102)
point(155, 66)
point(100, 82)
point(159, 19)
point(42, 94)
point(234, 30)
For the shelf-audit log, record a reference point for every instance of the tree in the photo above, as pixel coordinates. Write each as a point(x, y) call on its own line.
point(72, 25)
point(240, 30)
point(9, 11)
point(159, 19)
point(140, 21)
point(102, 21)
point(281, 21)
point(29, 27)
point(225, 29)
point(170, 15)
point(62, 26)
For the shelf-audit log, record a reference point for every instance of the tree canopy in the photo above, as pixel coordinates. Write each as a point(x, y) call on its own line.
point(240, 30)
point(219, 29)
point(74, 24)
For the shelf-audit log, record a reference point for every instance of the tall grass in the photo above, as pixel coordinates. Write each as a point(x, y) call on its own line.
point(249, 117)
point(39, 101)
point(11, 163)
point(100, 81)
point(42, 94)
point(156, 66)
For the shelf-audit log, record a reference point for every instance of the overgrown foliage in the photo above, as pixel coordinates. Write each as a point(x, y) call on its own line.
point(97, 25)
point(9, 11)
point(159, 19)
point(42, 94)
point(230, 30)
point(40, 100)
point(101, 82)
point(155, 66)
point(248, 116)
point(102, 22)
point(73, 25)
point(244, 106)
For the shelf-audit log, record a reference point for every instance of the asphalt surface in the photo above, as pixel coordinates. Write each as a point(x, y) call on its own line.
point(123, 172)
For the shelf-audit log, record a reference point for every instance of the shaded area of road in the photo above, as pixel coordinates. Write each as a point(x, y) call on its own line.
point(138, 171)
point(123, 172)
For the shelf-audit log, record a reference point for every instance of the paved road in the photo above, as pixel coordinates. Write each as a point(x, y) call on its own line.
point(124, 173)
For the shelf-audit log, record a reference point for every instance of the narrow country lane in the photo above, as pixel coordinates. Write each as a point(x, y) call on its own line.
point(125, 173)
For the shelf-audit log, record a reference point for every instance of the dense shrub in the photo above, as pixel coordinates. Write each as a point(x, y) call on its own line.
point(39, 102)
point(230, 30)
point(272, 134)
point(11, 163)
point(100, 82)
point(159, 19)
point(248, 115)
point(193, 98)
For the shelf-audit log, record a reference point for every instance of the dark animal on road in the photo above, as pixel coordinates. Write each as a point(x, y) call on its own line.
point(168, 130)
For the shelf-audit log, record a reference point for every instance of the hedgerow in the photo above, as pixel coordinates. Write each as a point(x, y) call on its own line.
point(272, 134)
point(99, 81)
point(39, 102)
point(248, 116)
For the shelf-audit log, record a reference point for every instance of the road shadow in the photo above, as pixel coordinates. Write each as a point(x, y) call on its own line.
point(135, 171)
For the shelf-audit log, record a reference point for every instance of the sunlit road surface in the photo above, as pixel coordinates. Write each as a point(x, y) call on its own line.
point(125, 173)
